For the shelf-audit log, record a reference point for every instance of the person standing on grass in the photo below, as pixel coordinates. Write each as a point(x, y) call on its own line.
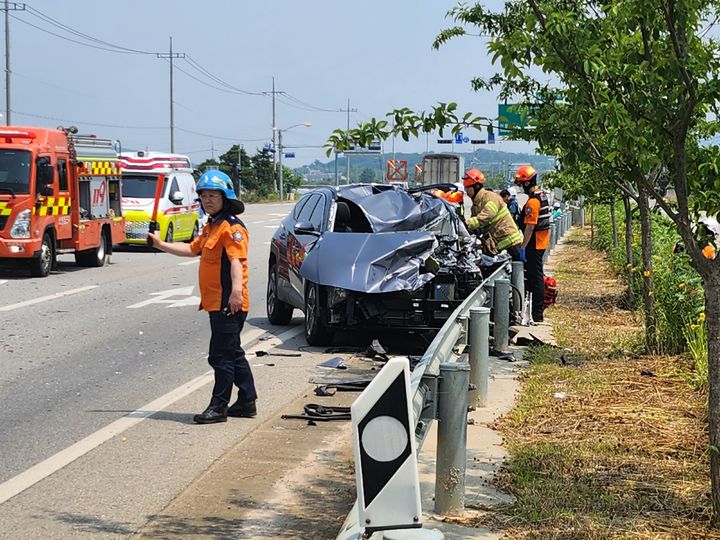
point(223, 279)
point(536, 237)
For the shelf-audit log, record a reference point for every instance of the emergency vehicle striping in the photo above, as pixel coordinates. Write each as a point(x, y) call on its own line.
point(100, 168)
point(36, 473)
point(50, 208)
point(5, 209)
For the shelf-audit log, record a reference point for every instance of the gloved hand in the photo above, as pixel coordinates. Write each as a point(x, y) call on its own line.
point(522, 254)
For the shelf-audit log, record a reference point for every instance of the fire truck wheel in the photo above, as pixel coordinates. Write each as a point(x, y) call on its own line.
point(94, 257)
point(41, 266)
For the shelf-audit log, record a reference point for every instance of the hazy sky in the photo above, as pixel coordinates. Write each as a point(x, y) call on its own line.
point(376, 53)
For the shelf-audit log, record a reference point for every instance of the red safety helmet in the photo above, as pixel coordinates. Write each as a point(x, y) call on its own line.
point(472, 177)
point(526, 173)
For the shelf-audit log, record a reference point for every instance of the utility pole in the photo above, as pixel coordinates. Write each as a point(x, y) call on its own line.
point(274, 130)
point(9, 6)
point(347, 156)
point(170, 56)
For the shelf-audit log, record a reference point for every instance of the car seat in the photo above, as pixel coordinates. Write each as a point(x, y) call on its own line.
point(342, 218)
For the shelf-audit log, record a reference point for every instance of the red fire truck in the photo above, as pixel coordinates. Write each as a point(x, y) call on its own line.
point(59, 193)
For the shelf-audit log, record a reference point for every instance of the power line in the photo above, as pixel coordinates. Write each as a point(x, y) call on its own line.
point(62, 26)
point(319, 109)
point(235, 139)
point(67, 38)
point(66, 120)
point(217, 79)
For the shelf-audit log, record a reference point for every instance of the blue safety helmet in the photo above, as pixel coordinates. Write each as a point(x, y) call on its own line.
point(219, 181)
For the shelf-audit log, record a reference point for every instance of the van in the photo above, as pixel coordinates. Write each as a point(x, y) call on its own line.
point(178, 210)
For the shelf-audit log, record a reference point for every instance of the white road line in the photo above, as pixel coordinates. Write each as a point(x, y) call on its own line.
point(271, 226)
point(196, 260)
point(3, 281)
point(42, 299)
point(42, 470)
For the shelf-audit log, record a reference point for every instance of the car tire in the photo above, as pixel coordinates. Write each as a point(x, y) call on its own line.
point(278, 312)
point(316, 328)
point(41, 266)
point(195, 232)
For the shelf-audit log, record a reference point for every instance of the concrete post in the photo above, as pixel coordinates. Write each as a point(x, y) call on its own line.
point(518, 283)
point(501, 314)
point(479, 356)
point(452, 438)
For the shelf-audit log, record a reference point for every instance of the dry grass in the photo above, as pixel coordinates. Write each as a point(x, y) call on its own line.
point(624, 454)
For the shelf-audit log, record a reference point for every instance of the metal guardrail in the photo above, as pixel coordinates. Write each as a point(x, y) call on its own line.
point(445, 349)
point(424, 378)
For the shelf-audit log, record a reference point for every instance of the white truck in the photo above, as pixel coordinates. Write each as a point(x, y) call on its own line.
point(442, 169)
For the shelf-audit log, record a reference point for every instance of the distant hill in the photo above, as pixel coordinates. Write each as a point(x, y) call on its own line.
point(491, 162)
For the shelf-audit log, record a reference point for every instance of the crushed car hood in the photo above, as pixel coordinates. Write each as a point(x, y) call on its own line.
point(396, 209)
point(370, 262)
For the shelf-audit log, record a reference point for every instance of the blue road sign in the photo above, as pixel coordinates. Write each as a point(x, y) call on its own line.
point(459, 138)
point(289, 154)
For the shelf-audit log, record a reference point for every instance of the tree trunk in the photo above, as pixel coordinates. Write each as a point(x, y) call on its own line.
point(712, 322)
point(629, 256)
point(616, 243)
point(646, 247)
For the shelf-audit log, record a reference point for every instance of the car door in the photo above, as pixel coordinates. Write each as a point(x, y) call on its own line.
point(298, 244)
point(177, 210)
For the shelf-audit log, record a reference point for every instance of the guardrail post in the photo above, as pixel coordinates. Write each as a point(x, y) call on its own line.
point(501, 314)
point(479, 356)
point(553, 235)
point(518, 283)
point(451, 438)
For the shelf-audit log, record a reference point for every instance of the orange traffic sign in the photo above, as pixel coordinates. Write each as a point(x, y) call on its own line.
point(397, 170)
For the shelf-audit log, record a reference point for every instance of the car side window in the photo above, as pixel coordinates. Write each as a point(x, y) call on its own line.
point(317, 218)
point(308, 209)
point(299, 206)
point(174, 187)
point(62, 174)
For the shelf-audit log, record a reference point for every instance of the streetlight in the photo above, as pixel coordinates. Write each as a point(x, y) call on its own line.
point(280, 149)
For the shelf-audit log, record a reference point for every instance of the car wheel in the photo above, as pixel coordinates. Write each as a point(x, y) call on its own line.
point(278, 312)
point(316, 329)
point(41, 266)
point(195, 232)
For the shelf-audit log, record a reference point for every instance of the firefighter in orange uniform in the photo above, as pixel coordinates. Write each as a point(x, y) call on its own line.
point(223, 278)
point(536, 237)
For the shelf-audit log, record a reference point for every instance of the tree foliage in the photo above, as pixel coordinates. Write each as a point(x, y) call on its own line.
point(625, 94)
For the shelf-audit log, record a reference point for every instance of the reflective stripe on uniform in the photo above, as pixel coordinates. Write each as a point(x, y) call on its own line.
point(514, 238)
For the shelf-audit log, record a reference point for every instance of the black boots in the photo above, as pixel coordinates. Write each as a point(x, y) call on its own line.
point(245, 409)
point(212, 415)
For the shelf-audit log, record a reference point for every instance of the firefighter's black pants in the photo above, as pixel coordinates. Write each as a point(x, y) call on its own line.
point(227, 358)
point(535, 279)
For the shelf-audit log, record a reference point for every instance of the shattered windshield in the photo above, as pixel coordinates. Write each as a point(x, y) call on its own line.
point(15, 172)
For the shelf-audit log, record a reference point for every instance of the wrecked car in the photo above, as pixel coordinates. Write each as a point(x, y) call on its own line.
point(366, 256)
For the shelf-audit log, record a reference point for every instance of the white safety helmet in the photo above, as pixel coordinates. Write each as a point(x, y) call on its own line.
point(512, 191)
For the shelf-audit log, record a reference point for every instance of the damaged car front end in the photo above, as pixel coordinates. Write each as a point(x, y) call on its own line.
point(386, 259)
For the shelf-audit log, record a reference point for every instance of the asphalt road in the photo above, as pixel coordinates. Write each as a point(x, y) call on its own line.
point(87, 359)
